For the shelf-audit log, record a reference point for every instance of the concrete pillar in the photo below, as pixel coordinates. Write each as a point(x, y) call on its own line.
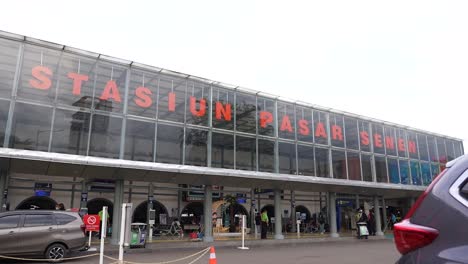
point(3, 189)
point(293, 212)
point(150, 202)
point(384, 213)
point(278, 222)
point(378, 222)
point(252, 210)
point(332, 209)
point(117, 215)
point(84, 196)
point(207, 211)
point(357, 201)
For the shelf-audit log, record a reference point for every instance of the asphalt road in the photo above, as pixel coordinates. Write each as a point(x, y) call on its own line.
point(358, 251)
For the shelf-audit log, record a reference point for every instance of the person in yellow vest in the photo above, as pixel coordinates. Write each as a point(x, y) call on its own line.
point(265, 222)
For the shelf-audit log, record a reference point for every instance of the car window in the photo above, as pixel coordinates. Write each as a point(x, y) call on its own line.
point(9, 221)
point(63, 219)
point(464, 190)
point(38, 220)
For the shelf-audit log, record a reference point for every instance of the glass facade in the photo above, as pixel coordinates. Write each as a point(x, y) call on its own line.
point(53, 100)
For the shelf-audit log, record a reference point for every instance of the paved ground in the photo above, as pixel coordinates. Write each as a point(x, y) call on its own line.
point(352, 251)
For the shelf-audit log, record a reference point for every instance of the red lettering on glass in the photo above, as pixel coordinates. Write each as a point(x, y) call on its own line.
point(42, 75)
point(265, 118)
point(320, 130)
point(389, 142)
point(401, 144)
point(193, 107)
point(171, 102)
point(364, 138)
point(111, 91)
point(378, 140)
point(223, 112)
point(143, 97)
point(337, 133)
point(286, 124)
point(304, 127)
point(78, 80)
point(412, 146)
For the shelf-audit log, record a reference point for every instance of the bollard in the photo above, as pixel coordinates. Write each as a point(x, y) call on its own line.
point(298, 222)
point(122, 233)
point(243, 233)
point(103, 234)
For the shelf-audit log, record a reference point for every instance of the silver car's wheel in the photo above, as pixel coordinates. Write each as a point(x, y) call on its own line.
point(56, 252)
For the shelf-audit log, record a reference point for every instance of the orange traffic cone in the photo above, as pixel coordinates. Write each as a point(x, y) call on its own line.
point(212, 256)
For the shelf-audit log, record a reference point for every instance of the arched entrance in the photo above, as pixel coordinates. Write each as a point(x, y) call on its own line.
point(238, 210)
point(140, 213)
point(270, 210)
point(95, 205)
point(38, 203)
point(303, 210)
point(192, 213)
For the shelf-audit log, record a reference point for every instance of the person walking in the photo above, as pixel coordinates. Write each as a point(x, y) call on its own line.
point(265, 223)
point(371, 223)
point(258, 222)
point(322, 223)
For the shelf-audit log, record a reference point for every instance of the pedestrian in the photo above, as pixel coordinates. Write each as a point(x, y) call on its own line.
point(60, 207)
point(371, 223)
point(393, 220)
point(265, 223)
point(258, 222)
point(322, 223)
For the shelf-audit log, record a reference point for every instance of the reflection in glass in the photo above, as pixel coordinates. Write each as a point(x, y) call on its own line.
point(390, 141)
point(379, 139)
point(139, 140)
point(223, 109)
point(142, 94)
point(412, 145)
point(354, 166)
point(169, 144)
point(266, 155)
point(450, 150)
point(246, 153)
point(110, 87)
point(336, 130)
point(31, 127)
point(266, 116)
point(426, 173)
point(339, 164)
point(198, 101)
point(320, 128)
point(458, 149)
point(401, 143)
point(306, 160)
point(105, 136)
point(4, 109)
point(364, 136)
point(71, 131)
point(415, 173)
point(245, 113)
point(432, 149)
point(352, 135)
point(322, 162)
point(286, 121)
point(305, 129)
point(171, 99)
point(8, 57)
point(422, 146)
point(222, 151)
point(404, 172)
point(435, 170)
point(441, 150)
point(393, 170)
point(287, 158)
point(195, 147)
point(381, 169)
point(366, 167)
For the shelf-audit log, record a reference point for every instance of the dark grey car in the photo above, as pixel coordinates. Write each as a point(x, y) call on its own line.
point(436, 228)
point(34, 232)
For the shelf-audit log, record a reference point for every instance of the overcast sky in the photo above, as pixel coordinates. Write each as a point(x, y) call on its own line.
point(401, 61)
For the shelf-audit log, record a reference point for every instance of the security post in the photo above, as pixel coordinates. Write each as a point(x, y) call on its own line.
point(244, 219)
point(125, 228)
point(103, 233)
point(151, 222)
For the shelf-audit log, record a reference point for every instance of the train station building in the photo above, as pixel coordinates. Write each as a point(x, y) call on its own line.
point(89, 130)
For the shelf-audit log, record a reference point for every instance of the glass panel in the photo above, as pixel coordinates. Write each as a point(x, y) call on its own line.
point(9, 221)
point(8, 58)
point(352, 135)
point(321, 128)
point(139, 140)
point(266, 155)
point(286, 121)
point(287, 158)
point(458, 150)
point(441, 150)
point(169, 144)
point(142, 94)
point(222, 151)
point(393, 170)
point(401, 143)
point(105, 136)
point(426, 173)
point(110, 87)
point(4, 109)
point(195, 147)
point(404, 172)
point(306, 160)
point(304, 124)
point(38, 220)
point(422, 145)
point(378, 137)
point(322, 162)
point(246, 153)
point(223, 109)
point(450, 150)
point(76, 81)
point(39, 74)
point(354, 166)
point(415, 173)
point(364, 136)
point(412, 146)
point(432, 149)
point(366, 167)
point(198, 101)
point(31, 127)
point(435, 170)
point(171, 99)
point(336, 130)
point(390, 141)
point(381, 169)
point(339, 164)
point(71, 131)
point(266, 117)
point(63, 219)
point(245, 113)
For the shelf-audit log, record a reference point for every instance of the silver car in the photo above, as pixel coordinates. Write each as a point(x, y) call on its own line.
point(52, 234)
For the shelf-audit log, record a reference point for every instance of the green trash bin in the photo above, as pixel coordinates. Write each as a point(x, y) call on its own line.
point(138, 235)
